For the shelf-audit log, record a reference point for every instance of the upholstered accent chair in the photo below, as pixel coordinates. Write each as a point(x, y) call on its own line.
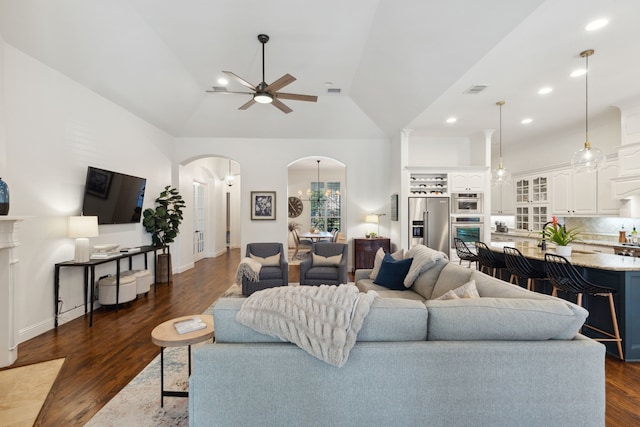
point(327, 265)
point(270, 275)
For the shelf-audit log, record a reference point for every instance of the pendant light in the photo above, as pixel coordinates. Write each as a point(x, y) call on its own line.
point(229, 179)
point(500, 175)
point(588, 158)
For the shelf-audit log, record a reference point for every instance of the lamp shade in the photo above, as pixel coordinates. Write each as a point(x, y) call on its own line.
point(373, 219)
point(83, 226)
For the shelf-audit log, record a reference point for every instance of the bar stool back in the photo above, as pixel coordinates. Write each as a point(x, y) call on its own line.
point(464, 253)
point(565, 277)
point(521, 268)
point(489, 261)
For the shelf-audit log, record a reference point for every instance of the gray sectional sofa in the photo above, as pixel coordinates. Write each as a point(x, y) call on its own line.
point(509, 358)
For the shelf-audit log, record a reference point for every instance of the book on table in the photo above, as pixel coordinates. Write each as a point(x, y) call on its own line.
point(189, 325)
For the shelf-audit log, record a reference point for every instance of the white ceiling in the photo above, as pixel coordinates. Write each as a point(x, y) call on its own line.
point(400, 63)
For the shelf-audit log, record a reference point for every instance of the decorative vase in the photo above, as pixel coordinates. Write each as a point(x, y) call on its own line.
point(4, 198)
point(563, 250)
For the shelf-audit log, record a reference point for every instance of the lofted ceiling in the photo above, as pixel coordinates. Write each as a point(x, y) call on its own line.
point(398, 63)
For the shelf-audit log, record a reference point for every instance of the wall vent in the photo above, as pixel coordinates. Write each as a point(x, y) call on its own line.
point(476, 89)
point(334, 90)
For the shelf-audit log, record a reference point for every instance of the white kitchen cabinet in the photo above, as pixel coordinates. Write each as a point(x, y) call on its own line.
point(502, 199)
point(607, 204)
point(467, 181)
point(532, 202)
point(573, 194)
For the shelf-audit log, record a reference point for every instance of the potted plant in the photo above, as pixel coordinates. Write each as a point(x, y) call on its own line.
point(163, 223)
point(559, 235)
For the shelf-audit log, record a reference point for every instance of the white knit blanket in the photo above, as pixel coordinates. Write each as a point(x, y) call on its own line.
point(248, 268)
point(322, 320)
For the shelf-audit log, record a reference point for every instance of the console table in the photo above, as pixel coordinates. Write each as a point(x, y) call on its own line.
point(90, 272)
point(365, 250)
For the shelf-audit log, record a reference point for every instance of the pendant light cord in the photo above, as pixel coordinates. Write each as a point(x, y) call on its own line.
point(586, 100)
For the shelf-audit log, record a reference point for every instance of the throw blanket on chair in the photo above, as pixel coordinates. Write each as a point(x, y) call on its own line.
point(423, 259)
point(248, 268)
point(322, 320)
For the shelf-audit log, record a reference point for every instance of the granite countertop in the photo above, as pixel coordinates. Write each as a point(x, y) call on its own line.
point(536, 235)
point(578, 258)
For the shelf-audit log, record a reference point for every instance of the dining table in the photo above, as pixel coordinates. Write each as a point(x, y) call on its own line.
point(316, 237)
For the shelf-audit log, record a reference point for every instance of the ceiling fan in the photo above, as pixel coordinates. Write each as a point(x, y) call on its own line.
point(267, 93)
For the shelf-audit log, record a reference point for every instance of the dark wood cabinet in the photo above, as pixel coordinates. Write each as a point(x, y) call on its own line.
point(365, 250)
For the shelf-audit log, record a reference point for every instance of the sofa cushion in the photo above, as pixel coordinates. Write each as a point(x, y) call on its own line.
point(392, 272)
point(377, 261)
point(451, 277)
point(468, 290)
point(426, 281)
point(270, 261)
point(424, 258)
point(324, 261)
point(389, 319)
point(367, 285)
point(502, 319)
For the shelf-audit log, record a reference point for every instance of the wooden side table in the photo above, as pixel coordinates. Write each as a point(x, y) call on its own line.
point(165, 335)
point(365, 250)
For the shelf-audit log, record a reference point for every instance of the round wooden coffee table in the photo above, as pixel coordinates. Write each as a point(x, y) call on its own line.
point(165, 335)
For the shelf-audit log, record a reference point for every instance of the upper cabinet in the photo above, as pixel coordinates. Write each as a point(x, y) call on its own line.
point(584, 193)
point(607, 203)
point(467, 181)
point(502, 201)
point(533, 189)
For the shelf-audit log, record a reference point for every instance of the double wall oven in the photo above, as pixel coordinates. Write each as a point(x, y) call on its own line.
point(468, 228)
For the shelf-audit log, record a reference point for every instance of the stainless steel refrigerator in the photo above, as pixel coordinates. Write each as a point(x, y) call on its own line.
point(429, 223)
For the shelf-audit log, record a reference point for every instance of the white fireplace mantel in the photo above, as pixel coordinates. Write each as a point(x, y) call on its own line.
point(8, 279)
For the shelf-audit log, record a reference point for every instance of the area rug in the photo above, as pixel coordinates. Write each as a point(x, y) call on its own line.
point(23, 391)
point(138, 403)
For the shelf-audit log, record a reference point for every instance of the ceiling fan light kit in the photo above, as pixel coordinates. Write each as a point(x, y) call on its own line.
point(267, 93)
point(588, 158)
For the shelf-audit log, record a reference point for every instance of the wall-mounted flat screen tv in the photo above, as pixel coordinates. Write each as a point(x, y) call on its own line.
point(115, 198)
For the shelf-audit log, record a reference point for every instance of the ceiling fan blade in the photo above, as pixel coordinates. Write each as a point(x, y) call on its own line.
point(281, 82)
point(247, 105)
point(240, 80)
point(228, 91)
point(297, 97)
point(279, 105)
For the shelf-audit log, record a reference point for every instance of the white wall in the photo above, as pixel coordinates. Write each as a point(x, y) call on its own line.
point(55, 128)
point(557, 149)
point(264, 168)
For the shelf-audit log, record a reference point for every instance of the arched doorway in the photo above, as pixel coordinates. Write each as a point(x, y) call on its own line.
point(316, 200)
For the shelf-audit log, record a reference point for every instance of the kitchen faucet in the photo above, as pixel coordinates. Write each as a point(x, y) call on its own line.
point(543, 243)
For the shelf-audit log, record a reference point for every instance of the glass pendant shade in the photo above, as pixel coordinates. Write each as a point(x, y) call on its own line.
point(587, 159)
point(500, 175)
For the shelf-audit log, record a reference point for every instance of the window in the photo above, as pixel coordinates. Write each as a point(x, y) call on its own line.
point(326, 211)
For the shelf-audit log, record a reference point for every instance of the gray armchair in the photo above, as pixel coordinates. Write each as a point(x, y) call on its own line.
point(325, 275)
point(270, 276)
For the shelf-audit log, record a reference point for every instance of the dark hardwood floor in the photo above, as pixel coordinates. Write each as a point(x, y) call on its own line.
point(101, 360)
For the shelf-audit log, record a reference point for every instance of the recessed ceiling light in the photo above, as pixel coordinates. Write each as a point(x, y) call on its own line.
point(223, 81)
point(578, 73)
point(596, 25)
point(451, 120)
point(545, 90)
point(526, 121)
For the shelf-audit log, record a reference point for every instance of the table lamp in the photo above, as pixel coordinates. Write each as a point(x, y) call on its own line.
point(373, 219)
point(81, 228)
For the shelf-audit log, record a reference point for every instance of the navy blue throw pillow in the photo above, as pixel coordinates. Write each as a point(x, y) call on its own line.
point(392, 273)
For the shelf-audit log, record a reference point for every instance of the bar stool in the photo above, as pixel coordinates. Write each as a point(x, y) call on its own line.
point(565, 277)
point(464, 253)
point(488, 260)
point(521, 268)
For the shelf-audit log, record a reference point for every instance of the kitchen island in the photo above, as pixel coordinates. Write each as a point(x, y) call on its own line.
point(615, 271)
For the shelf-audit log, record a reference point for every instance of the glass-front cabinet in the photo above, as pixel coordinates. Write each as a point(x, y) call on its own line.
point(532, 202)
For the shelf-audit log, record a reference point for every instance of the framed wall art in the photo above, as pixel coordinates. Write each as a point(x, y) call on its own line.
point(263, 205)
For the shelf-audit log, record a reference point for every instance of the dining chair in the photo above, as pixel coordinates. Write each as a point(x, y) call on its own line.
point(300, 243)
